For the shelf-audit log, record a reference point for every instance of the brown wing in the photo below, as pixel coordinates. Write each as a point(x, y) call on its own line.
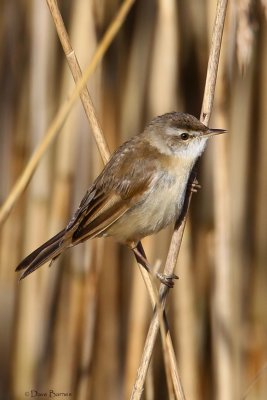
point(121, 185)
point(97, 217)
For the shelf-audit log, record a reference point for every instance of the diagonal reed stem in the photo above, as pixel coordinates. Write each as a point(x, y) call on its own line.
point(77, 74)
point(63, 112)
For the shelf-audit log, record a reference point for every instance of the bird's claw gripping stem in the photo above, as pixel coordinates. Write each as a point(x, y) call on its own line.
point(167, 280)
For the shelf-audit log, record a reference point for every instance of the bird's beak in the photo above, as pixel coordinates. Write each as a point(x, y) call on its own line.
point(213, 132)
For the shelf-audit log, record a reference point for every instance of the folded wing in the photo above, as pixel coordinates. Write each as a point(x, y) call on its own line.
point(118, 188)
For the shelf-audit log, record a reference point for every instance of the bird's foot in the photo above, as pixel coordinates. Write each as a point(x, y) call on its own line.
point(195, 186)
point(167, 280)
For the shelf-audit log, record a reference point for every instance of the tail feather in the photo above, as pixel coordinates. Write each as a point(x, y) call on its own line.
point(48, 251)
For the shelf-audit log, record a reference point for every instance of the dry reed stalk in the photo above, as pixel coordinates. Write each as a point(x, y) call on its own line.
point(185, 324)
point(60, 347)
point(105, 366)
point(150, 385)
point(60, 117)
point(164, 60)
point(174, 384)
point(24, 363)
point(134, 91)
point(222, 310)
point(138, 312)
point(213, 64)
point(264, 5)
point(147, 353)
point(245, 33)
point(222, 298)
point(84, 383)
point(239, 143)
point(12, 147)
point(178, 233)
point(13, 114)
point(260, 395)
point(258, 308)
point(64, 351)
point(76, 73)
point(81, 25)
point(54, 285)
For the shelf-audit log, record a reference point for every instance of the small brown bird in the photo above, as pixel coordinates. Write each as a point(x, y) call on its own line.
point(140, 190)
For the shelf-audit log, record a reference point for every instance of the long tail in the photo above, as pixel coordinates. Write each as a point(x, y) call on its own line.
point(50, 250)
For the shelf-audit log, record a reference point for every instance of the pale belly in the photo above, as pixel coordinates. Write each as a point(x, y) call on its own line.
point(160, 208)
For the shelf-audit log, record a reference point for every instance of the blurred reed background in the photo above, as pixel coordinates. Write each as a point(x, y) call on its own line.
point(79, 327)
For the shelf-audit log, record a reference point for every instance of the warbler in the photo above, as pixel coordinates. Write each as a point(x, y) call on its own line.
point(140, 191)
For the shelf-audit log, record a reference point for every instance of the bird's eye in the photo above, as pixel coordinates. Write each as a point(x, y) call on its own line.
point(184, 136)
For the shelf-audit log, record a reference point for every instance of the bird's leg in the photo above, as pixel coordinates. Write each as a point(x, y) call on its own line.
point(140, 256)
